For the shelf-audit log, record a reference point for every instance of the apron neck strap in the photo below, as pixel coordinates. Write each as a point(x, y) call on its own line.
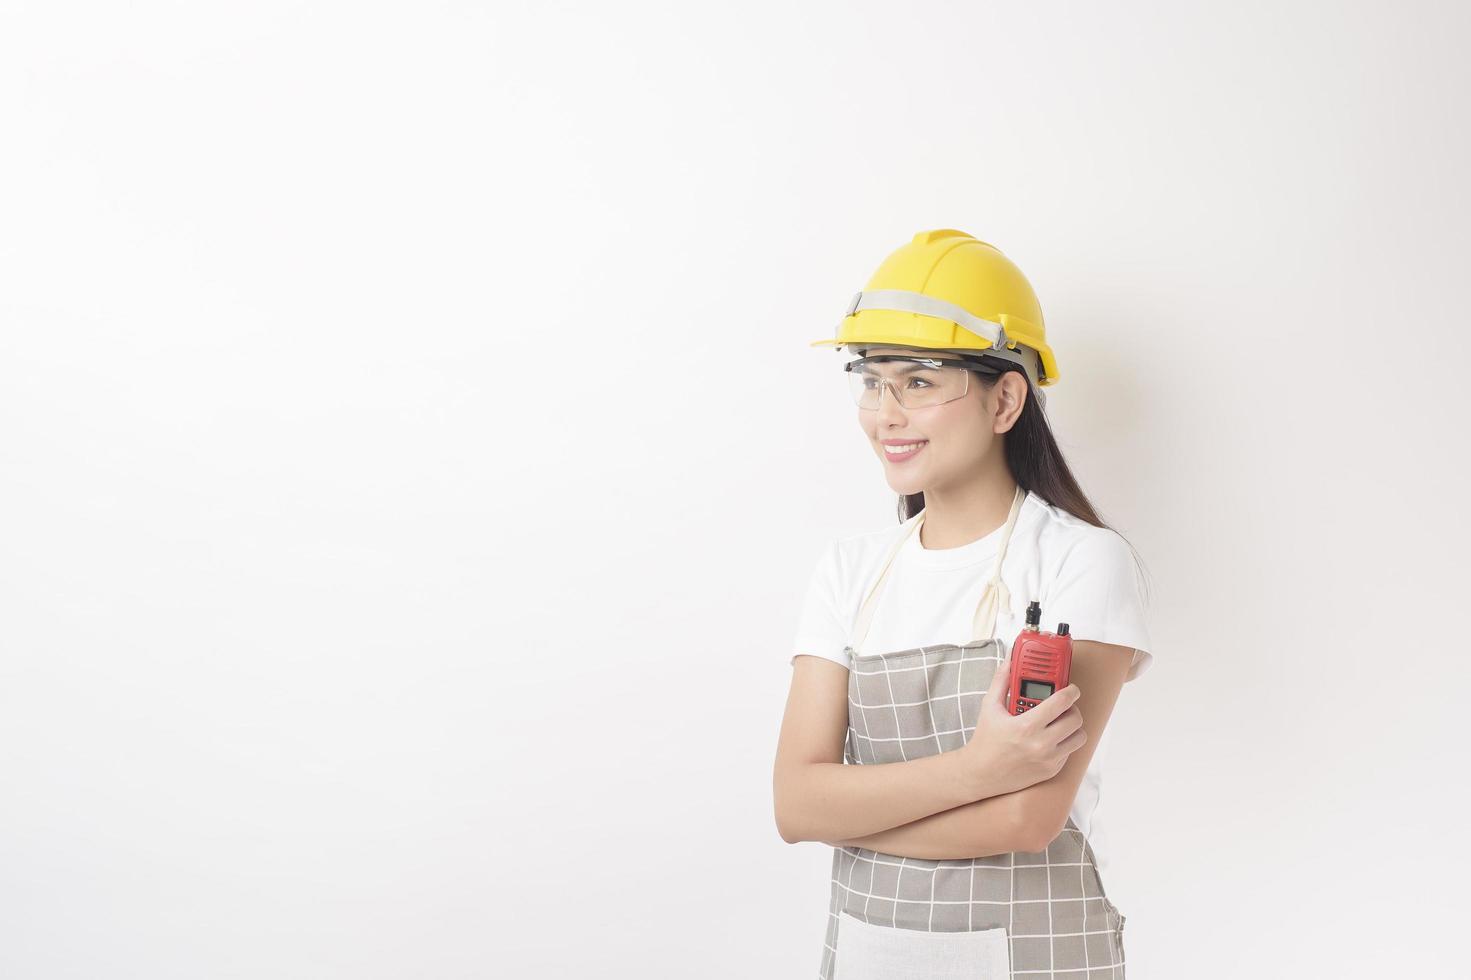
point(994, 597)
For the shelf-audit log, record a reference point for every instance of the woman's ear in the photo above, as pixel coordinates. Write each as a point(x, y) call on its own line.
point(1011, 396)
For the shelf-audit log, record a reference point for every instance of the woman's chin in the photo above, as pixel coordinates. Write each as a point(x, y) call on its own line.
point(904, 487)
point(905, 476)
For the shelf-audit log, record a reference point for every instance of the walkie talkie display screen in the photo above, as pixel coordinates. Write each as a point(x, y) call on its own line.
point(1036, 690)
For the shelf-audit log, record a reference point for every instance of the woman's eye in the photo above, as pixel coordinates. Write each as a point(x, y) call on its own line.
point(920, 380)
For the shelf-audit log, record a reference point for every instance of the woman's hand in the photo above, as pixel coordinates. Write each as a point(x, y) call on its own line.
point(1009, 752)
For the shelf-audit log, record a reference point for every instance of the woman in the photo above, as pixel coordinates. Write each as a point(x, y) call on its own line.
point(967, 840)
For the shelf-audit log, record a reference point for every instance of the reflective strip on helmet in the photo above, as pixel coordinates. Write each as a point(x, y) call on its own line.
point(905, 301)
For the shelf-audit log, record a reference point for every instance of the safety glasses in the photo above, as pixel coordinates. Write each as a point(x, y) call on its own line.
point(922, 382)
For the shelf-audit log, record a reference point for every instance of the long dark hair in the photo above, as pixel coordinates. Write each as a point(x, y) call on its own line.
point(1034, 458)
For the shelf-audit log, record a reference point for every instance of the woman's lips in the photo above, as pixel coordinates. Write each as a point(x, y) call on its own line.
point(906, 453)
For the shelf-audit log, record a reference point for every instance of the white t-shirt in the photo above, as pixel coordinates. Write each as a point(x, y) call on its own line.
point(1082, 575)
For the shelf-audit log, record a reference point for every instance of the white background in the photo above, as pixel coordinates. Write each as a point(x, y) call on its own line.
point(412, 460)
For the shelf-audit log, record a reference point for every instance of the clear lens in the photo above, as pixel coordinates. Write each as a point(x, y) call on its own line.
point(914, 385)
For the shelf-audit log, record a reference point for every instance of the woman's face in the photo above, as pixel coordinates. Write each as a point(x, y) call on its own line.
point(953, 438)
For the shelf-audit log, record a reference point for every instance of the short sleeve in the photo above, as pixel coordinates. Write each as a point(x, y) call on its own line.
point(1098, 593)
point(821, 630)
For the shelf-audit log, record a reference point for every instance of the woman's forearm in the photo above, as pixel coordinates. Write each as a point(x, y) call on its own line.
point(820, 801)
point(978, 829)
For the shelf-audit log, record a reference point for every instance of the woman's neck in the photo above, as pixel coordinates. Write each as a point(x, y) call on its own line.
point(958, 516)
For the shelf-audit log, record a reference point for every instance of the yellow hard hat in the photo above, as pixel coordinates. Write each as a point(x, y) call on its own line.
point(946, 290)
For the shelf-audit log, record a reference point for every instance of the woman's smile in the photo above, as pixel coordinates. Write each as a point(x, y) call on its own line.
point(902, 450)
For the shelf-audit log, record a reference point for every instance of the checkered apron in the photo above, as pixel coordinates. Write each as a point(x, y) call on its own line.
point(1042, 914)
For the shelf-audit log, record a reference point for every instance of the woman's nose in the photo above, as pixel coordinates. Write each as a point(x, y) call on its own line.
point(889, 406)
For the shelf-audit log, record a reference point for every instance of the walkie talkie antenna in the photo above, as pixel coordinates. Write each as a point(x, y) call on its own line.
point(1034, 614)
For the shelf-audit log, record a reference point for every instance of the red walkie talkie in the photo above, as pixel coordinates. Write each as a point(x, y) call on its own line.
point(1040, 663)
